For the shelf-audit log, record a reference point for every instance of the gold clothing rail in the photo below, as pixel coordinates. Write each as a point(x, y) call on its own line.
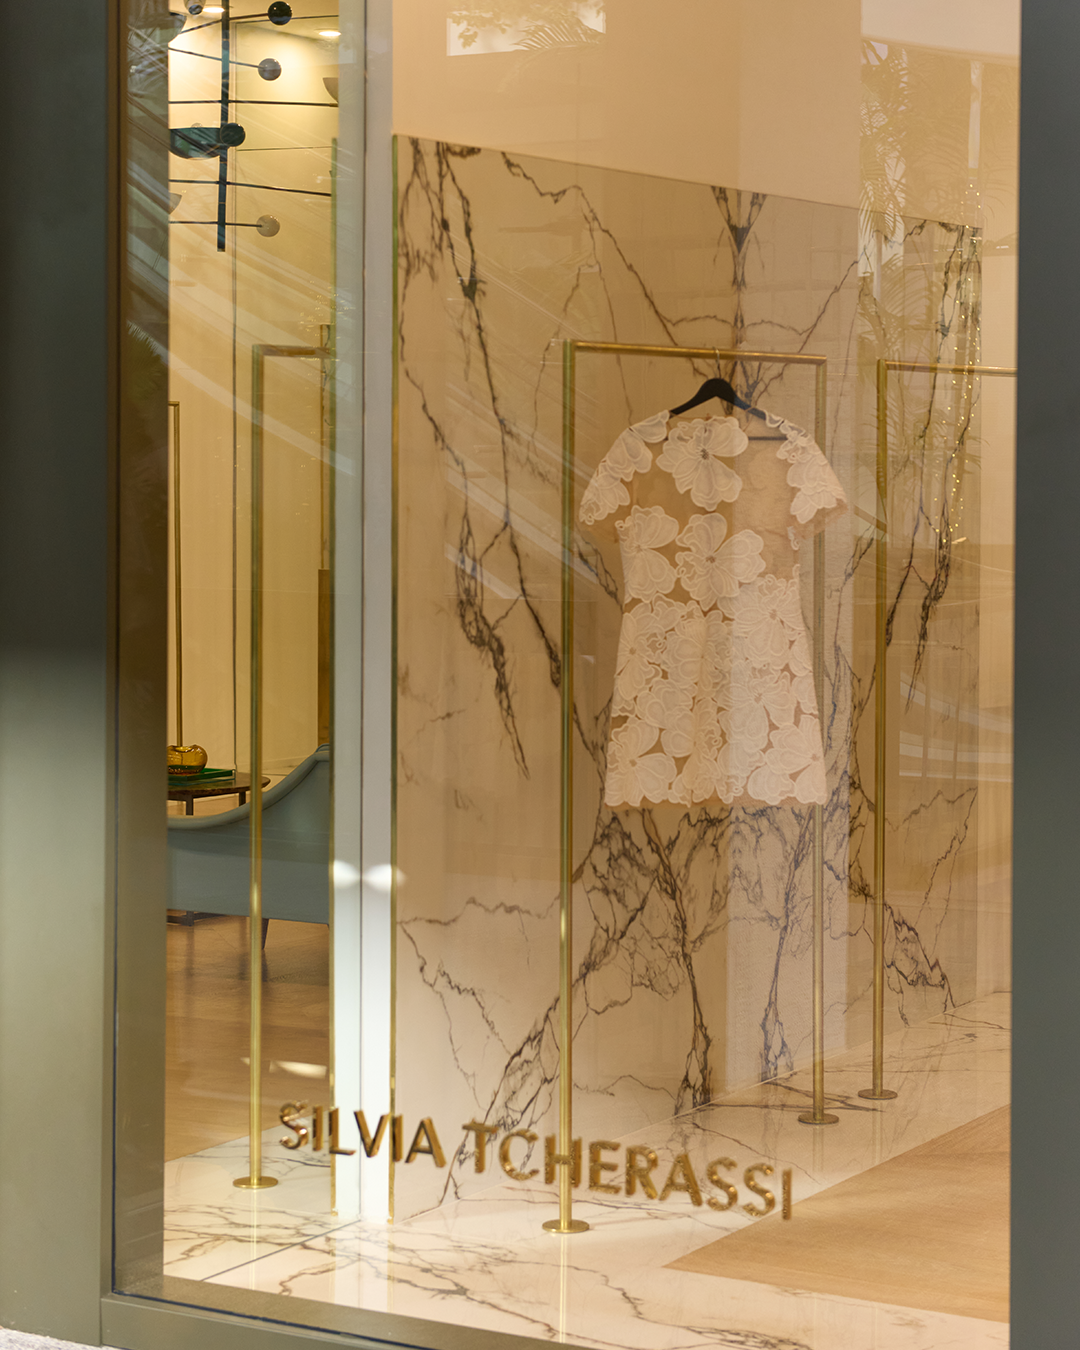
point(256, 1179)
point(566, 1223)
point(878, 1091)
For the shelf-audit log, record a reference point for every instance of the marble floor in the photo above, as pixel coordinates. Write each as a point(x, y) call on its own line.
point(486, 1262)
point(207, 1027)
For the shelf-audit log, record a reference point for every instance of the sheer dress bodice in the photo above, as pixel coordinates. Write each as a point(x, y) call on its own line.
point(714, 697)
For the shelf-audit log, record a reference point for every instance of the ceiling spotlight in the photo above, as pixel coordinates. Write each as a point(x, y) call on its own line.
point(329, 32)
point(213, 9)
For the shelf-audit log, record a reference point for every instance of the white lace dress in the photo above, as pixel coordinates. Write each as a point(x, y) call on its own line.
point(714, 693)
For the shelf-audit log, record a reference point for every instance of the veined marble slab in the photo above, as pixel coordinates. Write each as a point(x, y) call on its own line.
point(692, 937)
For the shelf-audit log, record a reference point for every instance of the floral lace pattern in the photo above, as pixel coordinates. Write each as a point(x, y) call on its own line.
point(711, 569)
point(714, 694)
point(629, 455)
point(810, 474)
point(694, 456)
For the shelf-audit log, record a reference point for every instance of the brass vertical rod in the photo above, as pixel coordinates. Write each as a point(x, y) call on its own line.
point(178, 621)
point(566, 1223)
point(878, 1091)
point(881, 712)
point(818, 1115)
point(395, 594)
point(255, 1179)
point(566, 692)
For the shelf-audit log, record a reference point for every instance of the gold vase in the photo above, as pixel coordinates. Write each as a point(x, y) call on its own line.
point(185, 759)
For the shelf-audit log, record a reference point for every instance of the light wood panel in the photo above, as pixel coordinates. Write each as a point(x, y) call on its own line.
point(206, 1081)
point(928, 1229)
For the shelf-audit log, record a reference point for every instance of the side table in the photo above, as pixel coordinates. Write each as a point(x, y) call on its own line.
point(187, 791)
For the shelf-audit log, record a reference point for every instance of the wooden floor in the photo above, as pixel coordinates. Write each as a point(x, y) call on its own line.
point(928, 1229)
point(207, 1027)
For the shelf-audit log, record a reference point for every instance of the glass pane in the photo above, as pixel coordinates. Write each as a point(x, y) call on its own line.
point(594, 449)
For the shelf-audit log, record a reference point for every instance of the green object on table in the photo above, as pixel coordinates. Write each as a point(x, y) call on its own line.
point(184, 779)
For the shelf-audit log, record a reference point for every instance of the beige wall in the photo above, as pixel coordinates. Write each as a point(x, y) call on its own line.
point(757, 94)
point(984, 27)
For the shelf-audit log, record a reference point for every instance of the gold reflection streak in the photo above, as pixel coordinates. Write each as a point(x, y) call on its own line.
point(328, 502)
point(878, 1091)
point(395, 506)
point(564, 1287)
point(255, 1180)
point(177, 601)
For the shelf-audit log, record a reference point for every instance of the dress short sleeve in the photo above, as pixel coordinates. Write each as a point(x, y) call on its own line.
point(607, 494)
point(817, 497)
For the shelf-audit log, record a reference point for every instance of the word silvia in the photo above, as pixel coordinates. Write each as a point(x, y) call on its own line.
point(325, 1128)
point(635, 1171)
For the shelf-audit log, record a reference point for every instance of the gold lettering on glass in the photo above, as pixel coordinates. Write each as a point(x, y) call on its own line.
point(289, 1116)
point(766, 1195)
point(505, 1161)
point(425, 1140)
point(682, 1178)
point(335, 1143)
point(721, 1184)
point(553, 1159)
point(640, 1162)
point(483, 1133)
point(598, 1166)
point(371, 1146)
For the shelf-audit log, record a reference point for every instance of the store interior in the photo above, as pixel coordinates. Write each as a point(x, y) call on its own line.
point(723, 959)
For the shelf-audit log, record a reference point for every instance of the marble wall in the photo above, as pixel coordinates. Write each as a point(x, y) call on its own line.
point(692, 940)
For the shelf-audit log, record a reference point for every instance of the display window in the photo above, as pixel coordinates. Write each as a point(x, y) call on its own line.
point(583, 446)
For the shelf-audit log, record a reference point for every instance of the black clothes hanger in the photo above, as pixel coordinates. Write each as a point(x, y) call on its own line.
point(717, 387)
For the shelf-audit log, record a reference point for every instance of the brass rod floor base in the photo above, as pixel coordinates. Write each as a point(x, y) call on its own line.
point(885, 1095)
point(255, 1183)
point(826, 1118)
point(574, 1226)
